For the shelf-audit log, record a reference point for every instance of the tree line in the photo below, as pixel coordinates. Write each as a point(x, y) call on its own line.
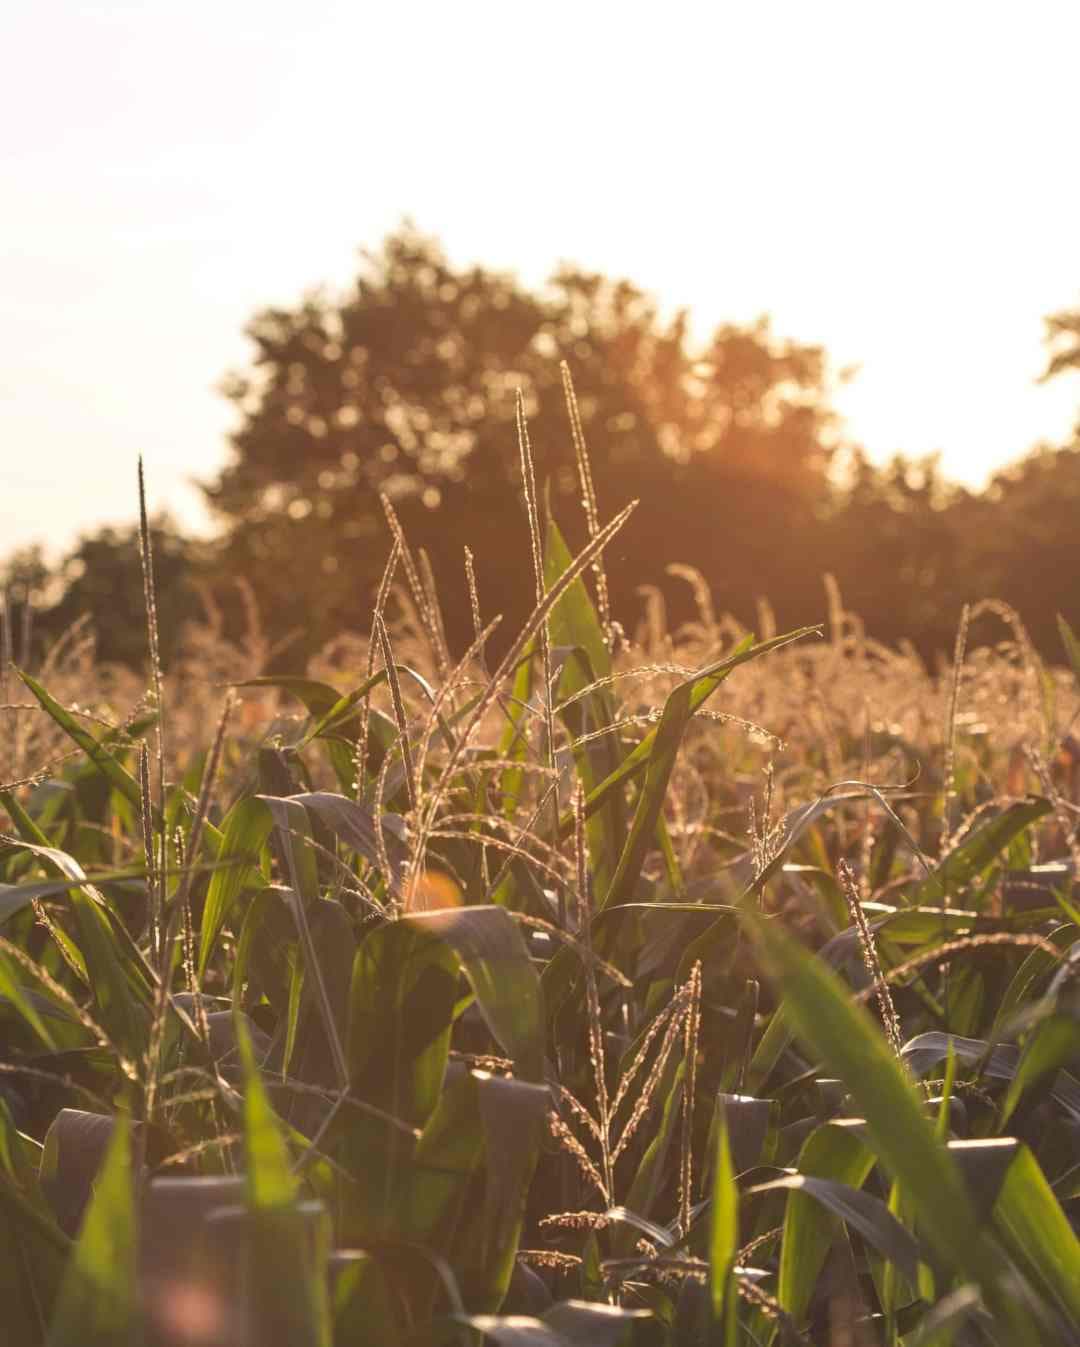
point(403, 390)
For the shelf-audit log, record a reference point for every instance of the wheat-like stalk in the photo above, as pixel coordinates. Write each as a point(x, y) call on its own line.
point(528, 475)
point(428, 621)
point(570, 1143)
point(691, 1037)
point(382, 594)
point(592, 996)
point(146, 558)
point(411, 784)
point(588, 499)
point(949, 774)
point(652, 1080)
point(889, 1018)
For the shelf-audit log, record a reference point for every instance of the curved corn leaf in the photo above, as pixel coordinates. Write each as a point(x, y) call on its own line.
point(845, 1038)
point(118, 974)
point(1000, 1062)
point(106, 763)
point(1038, 964)
point(834, 1151)
point(354, 824)
point(496, 961)
point(1053, 1043)
point(1038, 1234)
point(971, 857)
point(861, 1211)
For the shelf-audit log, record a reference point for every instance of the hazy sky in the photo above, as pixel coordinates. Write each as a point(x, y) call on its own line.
point(896, 181)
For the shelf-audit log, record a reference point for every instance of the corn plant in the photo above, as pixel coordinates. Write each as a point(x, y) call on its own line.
point(430, 1016)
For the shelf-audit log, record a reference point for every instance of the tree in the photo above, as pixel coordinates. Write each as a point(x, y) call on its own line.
point(1029, 544)
point(902, 540)
point(101, 577)
point(24, 579)
point(406, 386)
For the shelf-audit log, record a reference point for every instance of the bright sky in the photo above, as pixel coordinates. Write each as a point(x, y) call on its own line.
point(895, 181)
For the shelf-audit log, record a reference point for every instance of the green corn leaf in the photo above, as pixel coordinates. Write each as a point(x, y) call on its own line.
point(575, 628)
point(354, 824)
point(1000, 1062)
point(513, 1114)
point(584, 1323)
point(11, 986)
point(679, 710)
point(362, 1301)
point(292, 835)
point(747, 1123)
point(796, 823)
point(940, 1327)
point(703, 684)
point(312, 1052)
point(266, 932)
point(270, 1181)
point(669, 733)
point(1053, 1043)
point(342, 716)
point(656, 757)
point(401, 1012)
point(98, 1301)
point(834, 1151)
point(116, 969)
point(106, 763)
point(430, 1206)
point(244, 833)
point(72, 1156)
point(573, 620)
point(27, 828)
point(317, 697)
point(861, 1211)
point(724, 1239)
point(514, 743)
point(1038, 1234)
point(496, 961)
point(1039, 964)
point(846, 1039)
point(402, 1001)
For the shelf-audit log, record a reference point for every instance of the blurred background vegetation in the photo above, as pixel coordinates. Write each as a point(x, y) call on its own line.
point(404, 387)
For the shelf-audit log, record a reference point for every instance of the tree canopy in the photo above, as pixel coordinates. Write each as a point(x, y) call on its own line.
point(406, 387)
point(403, 390)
